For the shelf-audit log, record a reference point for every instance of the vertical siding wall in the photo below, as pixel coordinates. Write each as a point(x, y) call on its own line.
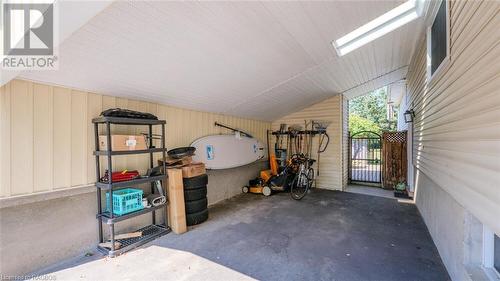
point(47, 138)
point(331, 170)
point(457, 125)
point(345, 142)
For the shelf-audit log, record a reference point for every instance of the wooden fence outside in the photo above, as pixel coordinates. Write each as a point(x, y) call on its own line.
point(394, 158)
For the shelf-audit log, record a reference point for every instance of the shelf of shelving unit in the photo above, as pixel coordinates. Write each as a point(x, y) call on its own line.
point(107, 186)
point(108, 219)
point(151, 231)
point(127, 152)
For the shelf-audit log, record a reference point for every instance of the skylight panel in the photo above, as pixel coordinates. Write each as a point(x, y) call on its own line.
point(378, 27)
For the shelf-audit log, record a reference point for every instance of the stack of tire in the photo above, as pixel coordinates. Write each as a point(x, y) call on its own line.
point(195, 199)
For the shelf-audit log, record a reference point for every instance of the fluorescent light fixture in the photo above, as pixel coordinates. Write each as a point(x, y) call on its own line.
point(378, 27)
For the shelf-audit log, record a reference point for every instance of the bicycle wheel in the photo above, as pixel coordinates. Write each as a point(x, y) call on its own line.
point(300, 185)
point(310, 176)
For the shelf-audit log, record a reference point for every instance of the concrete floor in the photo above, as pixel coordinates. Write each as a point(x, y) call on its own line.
point(370, 190)
point(328, 235)
point(376, 191)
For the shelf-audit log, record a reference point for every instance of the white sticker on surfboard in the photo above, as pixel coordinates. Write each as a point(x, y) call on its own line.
point(227, 151)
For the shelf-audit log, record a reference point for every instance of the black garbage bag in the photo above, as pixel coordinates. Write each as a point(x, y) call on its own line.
point(126, 113)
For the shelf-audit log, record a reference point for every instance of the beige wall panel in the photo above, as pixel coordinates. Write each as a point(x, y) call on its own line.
point(187, 134)
point(179, 123)
point(457, 123)
point(94, 108)
point(345, 142)
point(78, 138)
point(211, 120)
point(62, 124)
point(5, 151)
point(173, 132)
point(22, 137)
point(197, 118)
point(107, 103)
point(62, 138)
point(152, 108)
point(205, 129)
point(42, 133)
point(331, 171)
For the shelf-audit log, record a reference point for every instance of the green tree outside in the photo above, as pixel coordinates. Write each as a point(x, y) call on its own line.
point(358, 124)
point(369, 113)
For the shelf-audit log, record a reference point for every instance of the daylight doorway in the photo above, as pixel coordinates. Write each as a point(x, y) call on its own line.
point(370, 115)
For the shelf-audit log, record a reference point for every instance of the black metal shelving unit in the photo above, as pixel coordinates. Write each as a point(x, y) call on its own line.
point(149, 232)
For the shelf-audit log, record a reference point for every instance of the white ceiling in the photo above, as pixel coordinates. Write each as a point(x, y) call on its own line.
point(260, 60)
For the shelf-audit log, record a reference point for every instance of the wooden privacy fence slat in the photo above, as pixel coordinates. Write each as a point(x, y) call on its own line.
point(394, 158)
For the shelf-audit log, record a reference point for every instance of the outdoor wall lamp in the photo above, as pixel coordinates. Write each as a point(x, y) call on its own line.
point(409, 114)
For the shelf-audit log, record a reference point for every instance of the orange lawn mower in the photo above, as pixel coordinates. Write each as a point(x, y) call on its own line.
point(270, 180)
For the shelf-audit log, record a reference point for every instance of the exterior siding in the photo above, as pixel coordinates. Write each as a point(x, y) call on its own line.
point(47, 137)
point(403, 106)
point(345, 142)
point(456, 140)
point(331, 171)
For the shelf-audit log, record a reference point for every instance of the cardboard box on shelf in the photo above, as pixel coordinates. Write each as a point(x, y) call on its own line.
point(193, 170)
point(123, 142)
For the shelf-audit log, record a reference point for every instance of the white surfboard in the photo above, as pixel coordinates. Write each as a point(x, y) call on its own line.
point(227, 151)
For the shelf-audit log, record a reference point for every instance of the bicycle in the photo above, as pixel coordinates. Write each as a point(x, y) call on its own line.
point(304, 177)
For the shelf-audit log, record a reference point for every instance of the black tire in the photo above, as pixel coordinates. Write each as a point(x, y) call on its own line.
point(195, 194)
point(195, 182)
point(196, 206)
point(310, 175)
point(197, 218)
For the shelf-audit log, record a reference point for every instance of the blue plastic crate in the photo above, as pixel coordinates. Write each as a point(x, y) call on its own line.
point(125, 201)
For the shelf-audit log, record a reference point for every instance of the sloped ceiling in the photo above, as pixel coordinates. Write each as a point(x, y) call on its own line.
point(260, 60)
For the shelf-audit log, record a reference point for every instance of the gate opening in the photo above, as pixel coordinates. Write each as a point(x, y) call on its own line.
point(365, 157)
point(370, 115)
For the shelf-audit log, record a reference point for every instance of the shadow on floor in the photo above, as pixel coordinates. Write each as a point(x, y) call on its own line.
point(329, 235)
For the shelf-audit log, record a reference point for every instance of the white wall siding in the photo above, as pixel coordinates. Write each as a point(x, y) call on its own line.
point(403, 106)
point(345, 142)
point(457, 124)
point(331, 173)
point(47, 137)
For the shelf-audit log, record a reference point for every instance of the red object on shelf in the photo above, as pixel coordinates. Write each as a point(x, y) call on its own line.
point(121, 176)
point(124, 176)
